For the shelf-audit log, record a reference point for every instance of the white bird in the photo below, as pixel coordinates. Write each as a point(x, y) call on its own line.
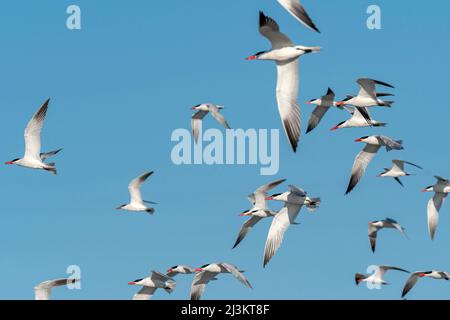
point(286, 55)
point(367, 96)
point(258, 211)
point(293, 202)
point(298, 12)
point(33, 158)
point(441, 190)
point(43, 290)
point(412, 280)
point(376, 226)
point(203, 110)
point(398, 170)
point(323, 104)
point(362, 160)
point(179, 269)
point(357, 120)
point(376, 278)
point(150, 284)
point(209, 272)
point(136, 203)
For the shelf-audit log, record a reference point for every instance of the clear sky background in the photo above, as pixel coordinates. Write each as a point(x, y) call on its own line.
point(123, 83)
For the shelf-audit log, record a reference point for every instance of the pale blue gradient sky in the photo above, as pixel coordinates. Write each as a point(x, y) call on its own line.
point(122, 84)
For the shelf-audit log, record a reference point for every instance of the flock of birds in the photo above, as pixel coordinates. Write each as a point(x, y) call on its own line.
point(286, 55)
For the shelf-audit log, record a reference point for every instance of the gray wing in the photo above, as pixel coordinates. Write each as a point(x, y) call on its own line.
point(32, 133)
point(218, 116)
point(134, 187)
point(298, 12)
point(145, 293)
point(196, 123)
point(373, 231)
point(287, 95)
point(442, 181)
point(410, 283)
point(246, 227)
point(43, 290)
point(260, 194)
point(298, 191)
point(391, 144)
point(236, 273)
point(434, 205)
point(315, 118)
point(384, 269)
point(367, 87)
point(46, 155)
point(396, 225)
point(269, 28)
point(280, 224)
point(412, 164)
point(199, 283)
point(360, 165)
point(158, 276)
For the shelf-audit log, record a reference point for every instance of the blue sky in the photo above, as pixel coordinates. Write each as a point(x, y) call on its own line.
point(123, 83)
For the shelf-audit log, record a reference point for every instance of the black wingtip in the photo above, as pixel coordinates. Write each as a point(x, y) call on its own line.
point(330, 91)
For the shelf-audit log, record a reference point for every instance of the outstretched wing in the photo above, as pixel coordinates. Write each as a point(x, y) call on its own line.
point(362, 160)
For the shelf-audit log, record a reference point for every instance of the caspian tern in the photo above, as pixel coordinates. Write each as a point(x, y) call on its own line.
point(43, 290)
point(293, 202)
point(376, 226)
point(367, 96)
point(258, 211)
point(286, 55)
point(298, 12)
point(136, 203)
point(209, 272)
point(441, 190)
point(357, 120)
point(362, 160)
point(323, 105)
point(180, 269)
point(150, 284)
point(203, 110)
point(33, 157)
point(376, 278)
point(412, 280)
point(398, 170)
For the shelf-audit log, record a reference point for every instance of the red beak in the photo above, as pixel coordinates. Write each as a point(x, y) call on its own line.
point(424, 190)
point(169, 270)
point(358, 140)
point(269, 198)
point(193, 108)
point(308, 102)
point(10, 162)
point(131, 283)
point(251, 58)
point(340, 103)
point(421, 275)
point(334, 128)
point(198, 269)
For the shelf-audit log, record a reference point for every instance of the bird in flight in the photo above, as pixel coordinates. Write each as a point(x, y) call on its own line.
point(286, 55)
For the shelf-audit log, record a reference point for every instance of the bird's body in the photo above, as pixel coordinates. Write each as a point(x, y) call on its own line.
point(286, 55)
point(398, 170)
point(150, 284)
point(136, 203)
point(208, 272)
point(33, 158)
point(441, 190)
point(357, 120)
